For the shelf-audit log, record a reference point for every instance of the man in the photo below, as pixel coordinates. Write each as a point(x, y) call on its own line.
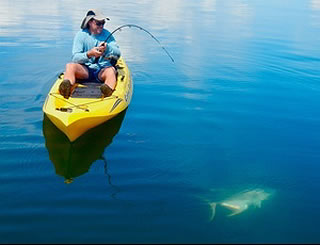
point(89, 45)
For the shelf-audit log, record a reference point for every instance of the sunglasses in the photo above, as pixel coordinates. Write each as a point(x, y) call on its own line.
point(99, 23)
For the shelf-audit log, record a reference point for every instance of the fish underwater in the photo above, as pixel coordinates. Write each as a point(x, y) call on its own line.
point(240, 202)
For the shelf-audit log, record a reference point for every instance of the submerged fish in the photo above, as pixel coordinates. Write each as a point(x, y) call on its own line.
point(241, 201)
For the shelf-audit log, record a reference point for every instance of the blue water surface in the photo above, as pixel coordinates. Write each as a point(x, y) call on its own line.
point(237, 112)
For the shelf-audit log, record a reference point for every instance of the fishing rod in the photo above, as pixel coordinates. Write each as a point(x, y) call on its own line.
point(142, 29)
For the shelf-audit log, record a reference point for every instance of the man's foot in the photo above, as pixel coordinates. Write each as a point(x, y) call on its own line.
point(106, 90)
point(65, 88)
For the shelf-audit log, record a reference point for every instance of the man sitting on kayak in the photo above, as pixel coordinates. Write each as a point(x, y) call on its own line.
point(89, 44)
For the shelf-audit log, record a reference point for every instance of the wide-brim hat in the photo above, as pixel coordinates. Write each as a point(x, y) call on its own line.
point(93, 14)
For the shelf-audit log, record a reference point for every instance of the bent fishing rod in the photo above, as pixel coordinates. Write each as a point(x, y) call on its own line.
point(142, 29)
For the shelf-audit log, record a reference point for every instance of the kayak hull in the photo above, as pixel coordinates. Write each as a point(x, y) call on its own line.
point(76, 115)
point(78, 127)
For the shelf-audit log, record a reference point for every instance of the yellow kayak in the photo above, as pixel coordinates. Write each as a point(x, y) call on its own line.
point(85, 108)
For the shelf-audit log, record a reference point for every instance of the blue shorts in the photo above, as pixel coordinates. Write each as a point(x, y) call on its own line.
point(94, 74)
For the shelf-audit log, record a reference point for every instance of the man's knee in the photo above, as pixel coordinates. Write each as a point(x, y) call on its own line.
point(71, 67)
point(108, 73)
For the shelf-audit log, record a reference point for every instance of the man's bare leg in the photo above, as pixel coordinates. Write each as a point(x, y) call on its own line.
point(108, 76)
point(73, 72)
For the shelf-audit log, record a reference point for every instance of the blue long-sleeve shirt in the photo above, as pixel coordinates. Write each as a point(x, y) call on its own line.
point(84, 41)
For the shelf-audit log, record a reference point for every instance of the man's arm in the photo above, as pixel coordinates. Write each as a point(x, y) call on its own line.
point(113, 48)
point(78, 53)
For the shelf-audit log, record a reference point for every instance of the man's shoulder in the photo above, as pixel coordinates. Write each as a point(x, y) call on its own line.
point(106, 34)
point(82, 33)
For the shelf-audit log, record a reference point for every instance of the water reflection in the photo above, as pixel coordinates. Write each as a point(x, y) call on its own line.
point(73, 159)
point(315, 6)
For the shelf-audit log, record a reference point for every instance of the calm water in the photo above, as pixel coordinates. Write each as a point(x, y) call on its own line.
point(238, 110)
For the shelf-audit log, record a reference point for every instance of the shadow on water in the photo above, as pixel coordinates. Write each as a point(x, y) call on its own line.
point(73, 159)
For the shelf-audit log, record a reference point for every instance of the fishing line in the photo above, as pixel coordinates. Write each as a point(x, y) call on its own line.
point(140, 28)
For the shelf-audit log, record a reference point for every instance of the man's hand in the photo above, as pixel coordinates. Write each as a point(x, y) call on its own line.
point(97, 51)
point(102, 47)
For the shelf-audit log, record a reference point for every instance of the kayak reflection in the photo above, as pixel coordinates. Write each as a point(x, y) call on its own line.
point(73, 159)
